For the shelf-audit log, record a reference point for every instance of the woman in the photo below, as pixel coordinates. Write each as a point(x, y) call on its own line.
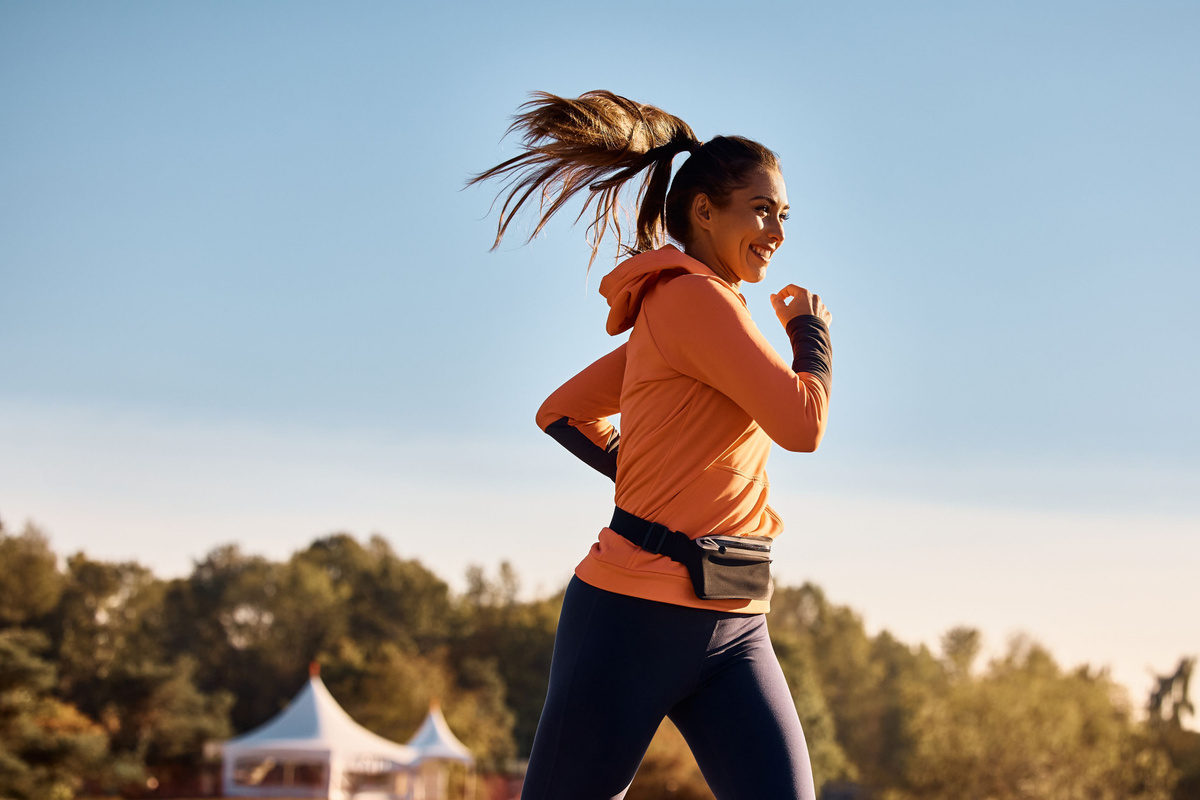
point(661, 618)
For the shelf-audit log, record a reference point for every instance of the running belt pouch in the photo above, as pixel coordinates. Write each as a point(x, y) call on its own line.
point(731, 567)
point(721, 567)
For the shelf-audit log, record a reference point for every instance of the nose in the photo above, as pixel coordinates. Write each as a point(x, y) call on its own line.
point(775, 230)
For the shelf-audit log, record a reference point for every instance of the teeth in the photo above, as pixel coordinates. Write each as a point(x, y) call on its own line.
point(762, 252)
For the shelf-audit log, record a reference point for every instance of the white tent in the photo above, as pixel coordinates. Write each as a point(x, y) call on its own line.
point(314, 749)
point(436, 744)
point(434, 739)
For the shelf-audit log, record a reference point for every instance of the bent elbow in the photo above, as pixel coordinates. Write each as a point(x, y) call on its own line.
point(804, 445)
point(545, 416)
point(804, 440)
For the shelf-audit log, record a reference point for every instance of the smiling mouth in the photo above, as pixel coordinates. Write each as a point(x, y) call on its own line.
point(761, 252)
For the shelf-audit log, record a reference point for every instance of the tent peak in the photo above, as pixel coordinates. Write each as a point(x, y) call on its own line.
point(434, 740)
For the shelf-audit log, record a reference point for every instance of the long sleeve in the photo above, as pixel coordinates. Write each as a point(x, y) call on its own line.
point(704, 330)
point(576, 414)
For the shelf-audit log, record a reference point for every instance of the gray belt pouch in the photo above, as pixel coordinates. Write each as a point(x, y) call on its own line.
point(721, 567)
point(731, 567)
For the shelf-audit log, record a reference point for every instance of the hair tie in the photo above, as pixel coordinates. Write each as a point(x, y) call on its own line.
point(670, 150)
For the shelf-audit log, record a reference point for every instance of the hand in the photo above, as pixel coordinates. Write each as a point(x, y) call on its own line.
point(793, 301)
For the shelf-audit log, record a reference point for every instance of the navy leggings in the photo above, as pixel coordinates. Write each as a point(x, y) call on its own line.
point(621, 664)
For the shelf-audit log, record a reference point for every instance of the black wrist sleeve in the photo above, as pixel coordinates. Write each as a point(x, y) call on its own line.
point(812, 352)
point(601, 459)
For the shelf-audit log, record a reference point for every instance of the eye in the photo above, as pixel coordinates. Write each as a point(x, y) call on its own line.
point(785, 215)
point(763, 209)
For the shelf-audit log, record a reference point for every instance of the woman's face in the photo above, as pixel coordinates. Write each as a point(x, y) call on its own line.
point(738, 240)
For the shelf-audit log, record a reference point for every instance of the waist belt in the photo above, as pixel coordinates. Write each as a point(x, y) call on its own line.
point(651, 536)
point(721, 567)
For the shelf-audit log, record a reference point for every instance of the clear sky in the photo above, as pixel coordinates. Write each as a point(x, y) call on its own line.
point(243, 296)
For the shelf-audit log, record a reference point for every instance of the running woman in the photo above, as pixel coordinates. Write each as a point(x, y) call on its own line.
point(660, 620)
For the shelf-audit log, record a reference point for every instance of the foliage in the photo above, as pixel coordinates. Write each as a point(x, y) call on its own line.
point(668, 770)
point(29, 584)
point(1167, 706)
point(516, 638)
point(1026, 729)
point(47, 747)
point(844, 700)
point(799, 663)
point(109, 674)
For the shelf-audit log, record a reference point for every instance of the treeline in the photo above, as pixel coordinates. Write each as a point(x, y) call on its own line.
point(114, 680)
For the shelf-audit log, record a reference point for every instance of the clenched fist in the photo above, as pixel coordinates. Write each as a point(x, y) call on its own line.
point(793, 301)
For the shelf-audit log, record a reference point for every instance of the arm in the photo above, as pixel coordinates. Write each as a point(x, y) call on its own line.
point(576, 414)
point(705, 332)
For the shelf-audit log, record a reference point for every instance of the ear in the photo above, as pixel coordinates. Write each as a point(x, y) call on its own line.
point(702, 212)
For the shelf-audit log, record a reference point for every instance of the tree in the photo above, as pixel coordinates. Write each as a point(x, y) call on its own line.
point(848, 675)
point(386, 599)
point(961, 647)
point(47, 747)
point(493, 625)
point(1024, 730)
point(390, 691)
point(829, 761)
point(223, 617)
point(669, 770)
point(1169, 702)
point(30, 583)
point(109, 628)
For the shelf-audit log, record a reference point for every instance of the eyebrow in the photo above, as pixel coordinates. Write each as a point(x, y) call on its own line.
point(770, 200)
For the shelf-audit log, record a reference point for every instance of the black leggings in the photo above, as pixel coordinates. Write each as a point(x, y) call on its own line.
point(621, 664)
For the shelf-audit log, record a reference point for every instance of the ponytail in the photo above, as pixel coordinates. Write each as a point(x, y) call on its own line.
point(596, 142)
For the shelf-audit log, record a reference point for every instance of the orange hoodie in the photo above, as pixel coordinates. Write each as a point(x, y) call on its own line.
point(701, 396)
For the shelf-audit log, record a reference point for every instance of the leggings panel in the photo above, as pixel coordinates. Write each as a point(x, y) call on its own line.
point(621, 664)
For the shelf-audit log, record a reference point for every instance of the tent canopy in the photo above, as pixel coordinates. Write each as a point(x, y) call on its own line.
point(314, 723)
point(434, 739)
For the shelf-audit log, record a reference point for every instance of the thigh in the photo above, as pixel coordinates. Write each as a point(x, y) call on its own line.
point(617, 670)
point(742, 725)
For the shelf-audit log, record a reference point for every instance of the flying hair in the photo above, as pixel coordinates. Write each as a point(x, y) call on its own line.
point(600, 141)
point(594, 143)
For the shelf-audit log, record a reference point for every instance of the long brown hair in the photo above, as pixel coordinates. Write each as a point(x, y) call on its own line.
point(598, 142)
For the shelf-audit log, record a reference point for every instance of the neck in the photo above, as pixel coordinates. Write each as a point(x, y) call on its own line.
point(703, 252)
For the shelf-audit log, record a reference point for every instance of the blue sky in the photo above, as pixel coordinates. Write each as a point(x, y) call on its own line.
point(243, 295)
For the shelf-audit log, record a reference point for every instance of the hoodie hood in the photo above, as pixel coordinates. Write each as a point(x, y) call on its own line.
point(626, 285)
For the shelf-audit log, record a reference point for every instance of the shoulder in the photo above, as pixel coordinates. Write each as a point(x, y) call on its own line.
point(693, 296)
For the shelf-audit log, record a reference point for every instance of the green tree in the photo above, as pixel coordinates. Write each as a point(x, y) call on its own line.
point(1167, 706)
point(47, 747)
point(223, 617)
point(849, 676)
point(669, 770)
point(829, 761)
point(30, 583)
point(387, 599)
point(390, 691)
point(109, 627)
point(516, 637)
point(1024, 730)
point(902, 665)
point(961, 647)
